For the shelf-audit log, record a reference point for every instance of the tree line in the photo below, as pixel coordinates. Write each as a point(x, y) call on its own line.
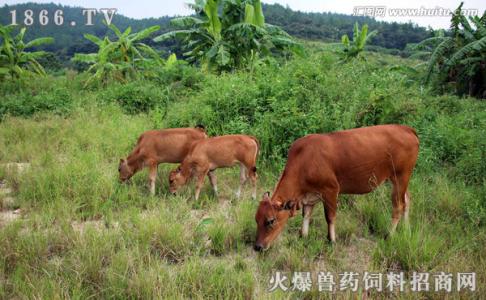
point(226, 35)
point(69, 40)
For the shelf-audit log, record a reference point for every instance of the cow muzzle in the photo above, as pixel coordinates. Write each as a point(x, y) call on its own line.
point(258, 247)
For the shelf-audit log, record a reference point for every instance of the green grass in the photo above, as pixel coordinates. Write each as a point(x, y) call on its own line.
point(133, 245)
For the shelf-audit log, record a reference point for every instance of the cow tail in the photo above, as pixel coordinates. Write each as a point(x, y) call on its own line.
point(257, 151)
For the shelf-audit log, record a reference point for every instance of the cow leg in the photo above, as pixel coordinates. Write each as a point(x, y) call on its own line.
point(397, 210)
point(243, 179)
point(152, 177)
point(407, 207)
point(399, 200)
point(253, 177)
point(330, 206)
point(250, 164)
point(213, 181)
point(200, 182)
point(306, 213)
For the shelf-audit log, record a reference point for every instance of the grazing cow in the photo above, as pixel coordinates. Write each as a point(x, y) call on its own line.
point(159, 146)
point(322, 166)
point(218, 152)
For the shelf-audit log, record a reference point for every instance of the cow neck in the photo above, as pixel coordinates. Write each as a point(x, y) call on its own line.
point(135, 161)
point(186, 169)
point(287, 189)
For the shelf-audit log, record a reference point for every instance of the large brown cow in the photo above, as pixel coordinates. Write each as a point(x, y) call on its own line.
point(218, 152)
point(322, 166)
point(159, 146)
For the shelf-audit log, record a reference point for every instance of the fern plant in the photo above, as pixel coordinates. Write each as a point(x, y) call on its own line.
point(458, 61)
point(353, 49)
point(15, 61)
point(120, 60)
point(229, 34)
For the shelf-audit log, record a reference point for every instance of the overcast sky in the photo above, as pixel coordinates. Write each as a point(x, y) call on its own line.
point(156, 8)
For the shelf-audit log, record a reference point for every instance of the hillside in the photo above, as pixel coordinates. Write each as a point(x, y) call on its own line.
point(315, 26)
point(332, 26)
point(69, 40)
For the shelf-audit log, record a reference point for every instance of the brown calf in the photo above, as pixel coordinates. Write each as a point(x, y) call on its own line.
point(159, 146)
point(217, 152)
point(322, 166)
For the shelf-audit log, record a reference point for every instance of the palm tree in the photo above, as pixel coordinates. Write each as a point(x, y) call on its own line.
point(235, 39)
point(122, 59)
point(14, 59)
point(460, 60)
point(353, 49)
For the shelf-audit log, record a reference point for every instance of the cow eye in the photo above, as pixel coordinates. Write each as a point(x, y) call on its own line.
point(270, 222)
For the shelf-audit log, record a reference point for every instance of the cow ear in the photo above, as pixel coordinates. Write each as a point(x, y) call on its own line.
point(122, 160)
point(289, 205)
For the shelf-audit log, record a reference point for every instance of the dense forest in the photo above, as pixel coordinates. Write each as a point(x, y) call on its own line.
point(332, 26)
point(69, 40)
point(314, 26)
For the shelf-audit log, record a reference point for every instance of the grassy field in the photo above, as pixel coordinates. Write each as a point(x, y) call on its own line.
point(80, 234)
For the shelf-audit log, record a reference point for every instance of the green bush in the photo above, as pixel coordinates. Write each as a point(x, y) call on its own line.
point(135, 97)
point(180, 73)
point(58, 101)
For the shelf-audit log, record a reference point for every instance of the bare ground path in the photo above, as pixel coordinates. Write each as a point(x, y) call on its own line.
point(9, 211)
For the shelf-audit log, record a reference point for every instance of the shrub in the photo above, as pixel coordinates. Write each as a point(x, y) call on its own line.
point(135, 97)
point(58, 101)
point(180, 73)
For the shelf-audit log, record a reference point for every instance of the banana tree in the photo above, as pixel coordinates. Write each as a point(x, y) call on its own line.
point(15, 61)
point(425, 48)
point(458, 60)
point(122, 59)
point(353, 49)
point(230, 40)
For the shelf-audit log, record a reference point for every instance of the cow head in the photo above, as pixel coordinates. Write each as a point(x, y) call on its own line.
point(176, 180)
point(202, 129)
point(125, 172)
point(271, 218)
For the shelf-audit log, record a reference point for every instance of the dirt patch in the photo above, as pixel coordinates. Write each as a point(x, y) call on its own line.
point(9, 216)
point(358, 255)
point(355, 256)
point(97, 225)
point(198, 214)
point(225, 206)
point(7, 203)
point(4, 190)
point(19, 167)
